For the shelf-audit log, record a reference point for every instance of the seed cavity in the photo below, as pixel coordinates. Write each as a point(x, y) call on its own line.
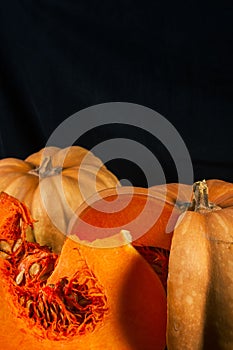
point(71, 306)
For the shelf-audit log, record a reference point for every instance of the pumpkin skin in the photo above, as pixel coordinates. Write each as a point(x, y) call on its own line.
point(200, 278)
point(66, 177)
point(133, 300)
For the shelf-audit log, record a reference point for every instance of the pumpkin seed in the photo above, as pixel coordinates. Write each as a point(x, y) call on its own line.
point(34, 269)
point(17, 244)
point(29, 303)
point(41, 306)
point(48, 316)
point(4, 255)
point(19, 277)
point(53, 309)
point(5, 247)
point(38, 313)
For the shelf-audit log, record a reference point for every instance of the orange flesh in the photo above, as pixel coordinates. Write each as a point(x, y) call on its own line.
point(144, 216)
point(133, 315)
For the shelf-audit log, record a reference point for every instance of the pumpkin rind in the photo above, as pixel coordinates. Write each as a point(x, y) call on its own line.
point(61, 194)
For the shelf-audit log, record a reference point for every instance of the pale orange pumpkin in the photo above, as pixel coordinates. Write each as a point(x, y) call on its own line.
point(52, 183)
point(200, 278)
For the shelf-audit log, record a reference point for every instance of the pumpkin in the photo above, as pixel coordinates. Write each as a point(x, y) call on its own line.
point(143, 212)
point(95, 296)
point(200, 278)
point(52, 183)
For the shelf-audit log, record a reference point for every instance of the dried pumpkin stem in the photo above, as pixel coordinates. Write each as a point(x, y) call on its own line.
point(201, 199)
point(46, 169)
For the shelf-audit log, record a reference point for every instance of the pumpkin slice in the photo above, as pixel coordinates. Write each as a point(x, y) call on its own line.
point(98, 297)
point(135, 317)
point(125, 307)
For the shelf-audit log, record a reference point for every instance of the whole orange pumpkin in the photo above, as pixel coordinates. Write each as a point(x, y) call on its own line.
point(200, 278)
point(52, 183)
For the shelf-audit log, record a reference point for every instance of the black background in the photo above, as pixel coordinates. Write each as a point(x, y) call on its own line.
point(58, 57)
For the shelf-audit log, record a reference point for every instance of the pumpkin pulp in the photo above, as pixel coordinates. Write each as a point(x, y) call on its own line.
point(71, 306)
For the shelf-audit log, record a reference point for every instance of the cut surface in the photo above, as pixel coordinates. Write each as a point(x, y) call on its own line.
point(132, 209)
point(87, 298)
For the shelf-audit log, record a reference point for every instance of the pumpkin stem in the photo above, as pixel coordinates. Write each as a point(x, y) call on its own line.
point(201, 199)
point(46, 168)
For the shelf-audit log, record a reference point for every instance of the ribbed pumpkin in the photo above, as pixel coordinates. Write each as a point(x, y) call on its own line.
point(53, 182)
point(200, 279)
point(97, 297)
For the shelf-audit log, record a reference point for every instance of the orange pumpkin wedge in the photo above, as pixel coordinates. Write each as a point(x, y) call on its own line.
point(97, 297)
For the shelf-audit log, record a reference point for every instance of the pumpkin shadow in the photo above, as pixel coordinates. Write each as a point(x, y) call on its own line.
point(213, 317)
point(210, 334)
point(217, 333)
point(142, 310)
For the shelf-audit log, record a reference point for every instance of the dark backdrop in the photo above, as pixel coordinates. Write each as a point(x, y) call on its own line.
point(58, 57)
